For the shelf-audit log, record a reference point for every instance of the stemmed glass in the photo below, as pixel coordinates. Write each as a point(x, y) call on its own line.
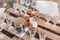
point(9, 23)
point(2, 18)
point(42, 36)
point(1, 35)
point(55, 22)
point(22, 27)
point(22, 2)
point(32, 34)
point(33, 3)
point(27, 3)
point(1, 28)
point(48, 18)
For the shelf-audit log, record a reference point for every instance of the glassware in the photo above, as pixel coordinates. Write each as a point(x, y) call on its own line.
point(11, 28)
point(20, 29)
point(1, 36)
point(42, 36)
point(22, 2)
point(48, 18)
point(9, 22)
point(35, 18)
point(55, 22)
point(2, 17)
point(1, 28)
point(32, 34)
point(34, 3)
point(28, 3)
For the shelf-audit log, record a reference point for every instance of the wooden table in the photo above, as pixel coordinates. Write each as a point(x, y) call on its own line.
point(5, 37)
point(49, 34)
point(42, 23)
point(49, 26)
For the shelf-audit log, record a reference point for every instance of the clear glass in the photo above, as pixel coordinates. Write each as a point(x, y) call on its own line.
point(34, 3)
point(27, 3)
point(48, 18)
point(1, 36)
point(2, 19)
point(22, 2)
point(32, 34)
point(55, 22)
point(35, 18)
point(9, 22)
point(42, 36)
point(1, 28)
point(20, 29)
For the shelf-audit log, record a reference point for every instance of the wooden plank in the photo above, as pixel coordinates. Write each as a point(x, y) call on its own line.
point(5, 37)
point(49, 34)
point(49, 26)
point(16, 38)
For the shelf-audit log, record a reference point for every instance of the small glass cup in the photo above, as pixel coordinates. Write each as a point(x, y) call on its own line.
point(32, 34)
point(42, 36)
point(9, 22)
point(1, 36)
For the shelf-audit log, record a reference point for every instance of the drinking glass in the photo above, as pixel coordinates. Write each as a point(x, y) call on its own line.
point(48, 18)
point(34, 3)
point(28, 3)
point(42, 36)
point(2, 18)
point(1, 36)
point(35, 17)
point(22, 2)
point(55, 22)
point(1, 28)
point(9, 22)
point(20, 29)
point(32, 34)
